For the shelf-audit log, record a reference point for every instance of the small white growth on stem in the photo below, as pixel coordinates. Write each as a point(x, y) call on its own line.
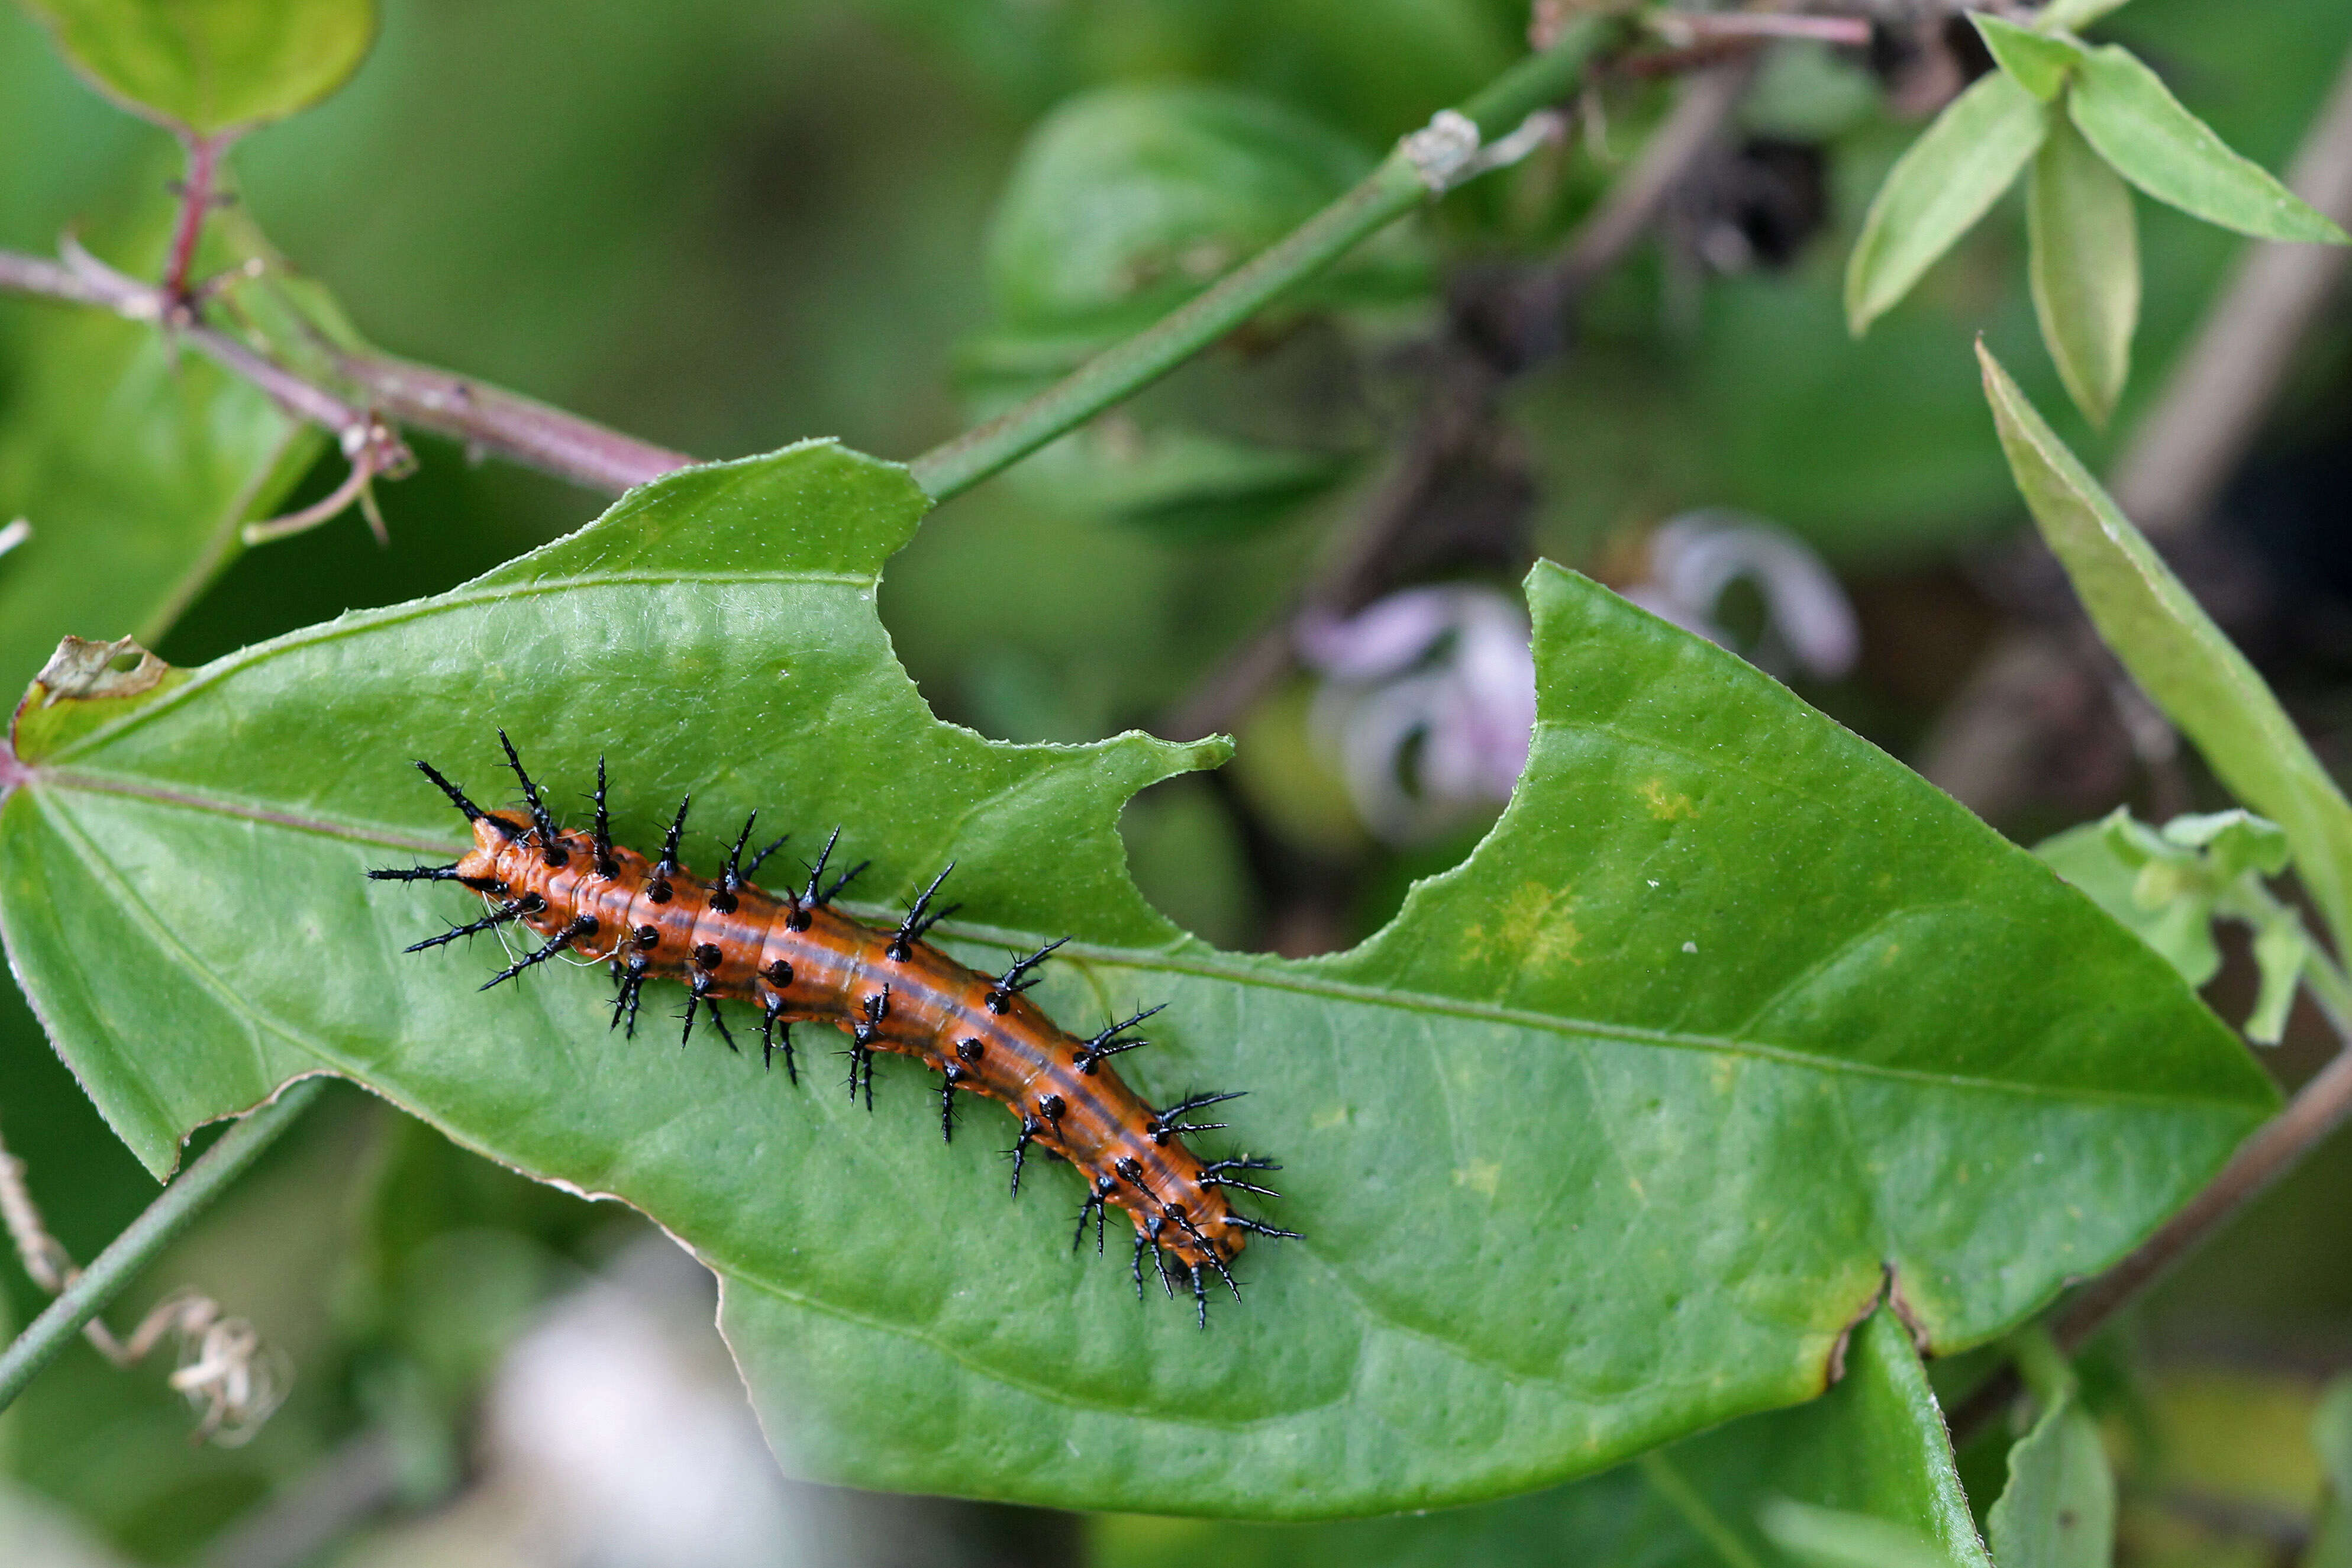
point(1447, 151)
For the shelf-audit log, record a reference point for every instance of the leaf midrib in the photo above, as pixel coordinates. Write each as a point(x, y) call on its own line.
point(353, 624)
point(231, 999)
point(1196, 959)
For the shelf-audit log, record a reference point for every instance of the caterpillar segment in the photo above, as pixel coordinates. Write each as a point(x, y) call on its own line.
point(797, 959)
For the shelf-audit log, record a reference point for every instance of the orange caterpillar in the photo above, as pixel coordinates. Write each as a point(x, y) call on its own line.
point(799, 960)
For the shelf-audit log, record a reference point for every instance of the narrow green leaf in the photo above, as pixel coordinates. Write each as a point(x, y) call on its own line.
point(1939, 189)
point(2083, 242)
point(2176, 652)
point(2039, 62)
point(2132, 118)
point(1608, 1137)
point(2059, 1508)
point(213, 66)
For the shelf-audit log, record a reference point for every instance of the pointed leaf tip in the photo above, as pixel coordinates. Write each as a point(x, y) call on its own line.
point(2084, 245)
point(2126, 112)
point(2174, 650)
point(2038, 62)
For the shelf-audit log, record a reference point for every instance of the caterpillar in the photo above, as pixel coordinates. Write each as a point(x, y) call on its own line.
point(800, 960)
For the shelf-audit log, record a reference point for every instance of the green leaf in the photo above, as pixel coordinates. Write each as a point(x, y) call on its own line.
point(2177, 655)
point(2234, 841)
point(1880, 1461)
point(210, 67)
point(2182, 928)
point(2058, 1510)
point(2083, 242)
point(2039, 62)
point(135, 472)
point(1882, 1489)
point(1868, 1458)
point(1606, 1139)
point(1834, 1538)
point(1949, 178)
point(2131, 117)
point(1129, 200)
point(2280, 950)
point(2169, 887)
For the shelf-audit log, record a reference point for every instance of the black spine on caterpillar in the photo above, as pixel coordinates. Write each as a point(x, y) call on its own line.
point(798, 959)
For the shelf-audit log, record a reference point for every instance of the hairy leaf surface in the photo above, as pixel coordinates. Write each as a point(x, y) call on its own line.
point(1610, 1136)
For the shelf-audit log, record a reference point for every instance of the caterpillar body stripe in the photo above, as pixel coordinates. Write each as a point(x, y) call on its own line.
point(797, 959)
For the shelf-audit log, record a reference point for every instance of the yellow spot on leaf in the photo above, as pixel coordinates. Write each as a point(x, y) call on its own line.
point(1665, 806)
point(1485, 1175)
point(1335, 1117)
point(1532, 929)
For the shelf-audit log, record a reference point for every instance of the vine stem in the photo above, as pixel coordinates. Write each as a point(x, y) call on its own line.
point(490, 419)
point(1388, 192)
point(171, 1212)
point(485, 418)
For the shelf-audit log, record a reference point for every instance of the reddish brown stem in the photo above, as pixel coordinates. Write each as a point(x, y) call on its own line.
point(491, 419)
point(196, 204)
point(486, 417)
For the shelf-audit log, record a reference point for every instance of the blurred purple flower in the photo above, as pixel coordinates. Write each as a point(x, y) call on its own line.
point(1448, 667)
point(1694, 558)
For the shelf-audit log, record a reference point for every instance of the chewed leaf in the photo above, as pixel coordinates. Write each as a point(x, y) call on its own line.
point(1611, 1136)
point(213, 66)
point(81, 670)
